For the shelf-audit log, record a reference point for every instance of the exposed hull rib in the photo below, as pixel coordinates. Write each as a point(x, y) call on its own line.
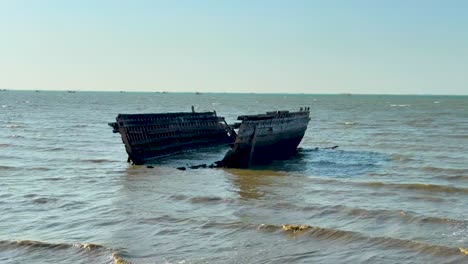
point(148, 136)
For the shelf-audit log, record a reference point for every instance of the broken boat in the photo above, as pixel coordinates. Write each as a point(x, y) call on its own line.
point(259, 138)
point(265, 137)
point(148, 136)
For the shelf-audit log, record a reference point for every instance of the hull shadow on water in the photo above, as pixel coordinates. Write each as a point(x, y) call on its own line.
point(336, 163)
point(329, 162)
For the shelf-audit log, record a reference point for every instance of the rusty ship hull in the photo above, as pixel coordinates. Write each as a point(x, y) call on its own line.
point(149, 136)
point(265, 137)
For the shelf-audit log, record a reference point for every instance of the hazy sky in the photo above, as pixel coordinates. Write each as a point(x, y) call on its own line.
point(397, 47)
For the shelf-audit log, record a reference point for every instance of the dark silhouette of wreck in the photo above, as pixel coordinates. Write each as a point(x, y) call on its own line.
point(148, 136)
point(260, 138)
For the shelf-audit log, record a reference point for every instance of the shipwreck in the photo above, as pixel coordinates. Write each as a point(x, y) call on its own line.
point(265, 137)
point(259, 138)
point(149, 136)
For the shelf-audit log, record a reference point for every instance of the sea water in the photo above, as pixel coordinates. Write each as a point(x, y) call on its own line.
point(394, 191)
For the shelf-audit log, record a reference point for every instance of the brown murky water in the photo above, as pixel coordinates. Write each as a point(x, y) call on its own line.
point(395, 191)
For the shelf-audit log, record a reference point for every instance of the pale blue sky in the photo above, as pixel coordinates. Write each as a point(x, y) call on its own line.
point(391, 47)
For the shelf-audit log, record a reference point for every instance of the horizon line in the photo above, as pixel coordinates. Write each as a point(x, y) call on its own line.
point(200, 93)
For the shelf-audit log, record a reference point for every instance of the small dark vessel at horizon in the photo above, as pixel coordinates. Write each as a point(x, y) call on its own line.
point(148, 136)
point(265, 137)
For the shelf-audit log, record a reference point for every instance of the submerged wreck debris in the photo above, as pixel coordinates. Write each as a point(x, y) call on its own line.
point(147, 136)
point(334, 147)
point(198, 166)
point(194, 167)
point(295, 228)
point(262, 138)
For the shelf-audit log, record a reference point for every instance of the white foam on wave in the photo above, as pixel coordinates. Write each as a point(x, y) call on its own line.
point(400, 105)
point(14, 126)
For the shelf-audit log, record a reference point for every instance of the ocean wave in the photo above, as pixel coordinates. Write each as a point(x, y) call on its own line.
point(28, 168)
point(54, 149)
point(163, 218)
point(179, 197)
point(207, 199)
point(349, 123)
point(351, 236)
point(327, 163)
point(410, 217)
point(54, 179)
point(455, 178)
point(400, 105)
point(40, 168)
point(428, 198)
point(407, 216)
point(16, 136)
point(401, 158)
point(2, 167)
point(4, 145)
point(459, 136)
point(80, 247)
point(307, 150)
point(200, 199)
point(420, 122)
point(33, 244)
point(14, 126)
point(215, 224)
point(436, 220)
point(444, 170)
point(68, 205)
point(99, 160)
point(417, 186)
point(384, 134)
point(44, 200)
